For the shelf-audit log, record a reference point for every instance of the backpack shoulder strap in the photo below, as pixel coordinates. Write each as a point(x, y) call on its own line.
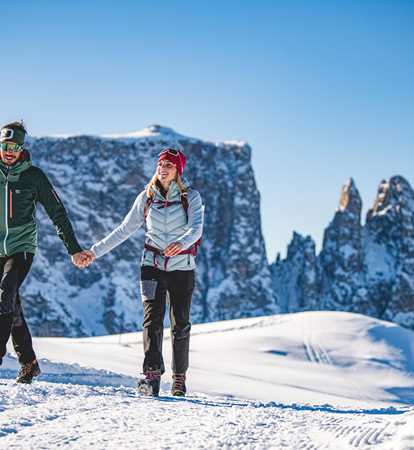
point(184, 202)
point(147, 206)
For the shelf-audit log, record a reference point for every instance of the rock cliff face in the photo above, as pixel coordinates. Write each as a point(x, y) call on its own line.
point(367, 269)
point(98, 179)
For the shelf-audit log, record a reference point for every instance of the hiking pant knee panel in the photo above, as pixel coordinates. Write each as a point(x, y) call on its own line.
point(181, 333)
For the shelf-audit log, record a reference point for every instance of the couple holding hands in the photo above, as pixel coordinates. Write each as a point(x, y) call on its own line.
point(173, 215)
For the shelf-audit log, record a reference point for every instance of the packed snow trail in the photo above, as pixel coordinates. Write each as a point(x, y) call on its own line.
point(319, 380)
point(49, 415)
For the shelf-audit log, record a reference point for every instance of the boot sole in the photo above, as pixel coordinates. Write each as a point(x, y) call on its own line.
point(178, 394)
point(35, 374)
point(147, 391)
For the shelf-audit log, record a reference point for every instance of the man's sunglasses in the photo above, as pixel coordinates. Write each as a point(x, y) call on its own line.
point(170, 151)
point(11, 147)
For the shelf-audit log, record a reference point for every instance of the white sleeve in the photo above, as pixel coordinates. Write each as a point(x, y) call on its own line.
point(132, 222)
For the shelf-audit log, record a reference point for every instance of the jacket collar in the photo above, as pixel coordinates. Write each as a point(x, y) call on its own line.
point(172, 194)
point(13, 172)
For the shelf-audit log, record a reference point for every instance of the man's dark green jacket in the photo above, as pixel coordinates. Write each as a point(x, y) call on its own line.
point(22, 186)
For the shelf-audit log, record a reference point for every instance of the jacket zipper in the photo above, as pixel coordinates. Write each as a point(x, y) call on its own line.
point(11, 204)
point(6, 214)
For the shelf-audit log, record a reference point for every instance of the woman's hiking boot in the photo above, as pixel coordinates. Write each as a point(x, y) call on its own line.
point(27, 372)
point(150, 385)
point(178, 388)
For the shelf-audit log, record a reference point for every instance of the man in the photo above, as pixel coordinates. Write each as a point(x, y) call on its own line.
point(22, 186)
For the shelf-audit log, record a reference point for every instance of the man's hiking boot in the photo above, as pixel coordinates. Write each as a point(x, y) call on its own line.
point(178, 388)
point(27, 372)
point(150, 385)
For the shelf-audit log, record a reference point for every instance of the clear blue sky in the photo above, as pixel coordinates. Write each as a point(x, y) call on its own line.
point(322, 90)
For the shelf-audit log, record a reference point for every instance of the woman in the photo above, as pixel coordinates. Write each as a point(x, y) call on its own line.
point(173, 215)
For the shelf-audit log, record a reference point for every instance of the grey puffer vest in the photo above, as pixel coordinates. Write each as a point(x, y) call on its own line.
point(166, 222)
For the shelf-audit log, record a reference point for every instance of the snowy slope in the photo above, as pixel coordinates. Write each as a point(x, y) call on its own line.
point(307, 380)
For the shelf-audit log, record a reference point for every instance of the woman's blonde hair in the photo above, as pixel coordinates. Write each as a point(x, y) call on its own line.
point(154, 182)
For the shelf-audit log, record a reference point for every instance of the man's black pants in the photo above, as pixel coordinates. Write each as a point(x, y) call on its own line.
point(13, 271)
point(155, 284)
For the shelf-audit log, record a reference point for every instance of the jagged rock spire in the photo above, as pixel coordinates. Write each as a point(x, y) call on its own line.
point(350, 199)
point(343, 235)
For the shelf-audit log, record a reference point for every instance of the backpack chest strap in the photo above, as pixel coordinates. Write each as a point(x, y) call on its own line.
point(165, 204)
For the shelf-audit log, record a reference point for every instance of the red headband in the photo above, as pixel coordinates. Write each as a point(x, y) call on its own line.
point(176, 157)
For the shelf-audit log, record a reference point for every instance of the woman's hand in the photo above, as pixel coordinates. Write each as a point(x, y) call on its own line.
point(173, 249)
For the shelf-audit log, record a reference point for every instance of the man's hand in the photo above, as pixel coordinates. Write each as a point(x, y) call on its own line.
point(173, 249)
point(83, 259)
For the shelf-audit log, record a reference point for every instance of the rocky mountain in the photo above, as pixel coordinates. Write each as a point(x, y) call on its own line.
point(361, 268)
point(98, 179)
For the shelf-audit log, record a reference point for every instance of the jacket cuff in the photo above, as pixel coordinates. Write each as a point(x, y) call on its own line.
point(94, 250)
point(74, 247)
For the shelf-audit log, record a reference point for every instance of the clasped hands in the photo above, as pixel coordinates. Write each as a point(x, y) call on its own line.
point(83, 259)
point(86, 257)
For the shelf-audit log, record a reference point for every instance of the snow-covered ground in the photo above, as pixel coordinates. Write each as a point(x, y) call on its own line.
point(315, 380)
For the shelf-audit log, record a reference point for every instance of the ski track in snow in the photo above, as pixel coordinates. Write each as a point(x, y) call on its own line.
point(314, 350)
point(317, 353)
point(54, 415)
